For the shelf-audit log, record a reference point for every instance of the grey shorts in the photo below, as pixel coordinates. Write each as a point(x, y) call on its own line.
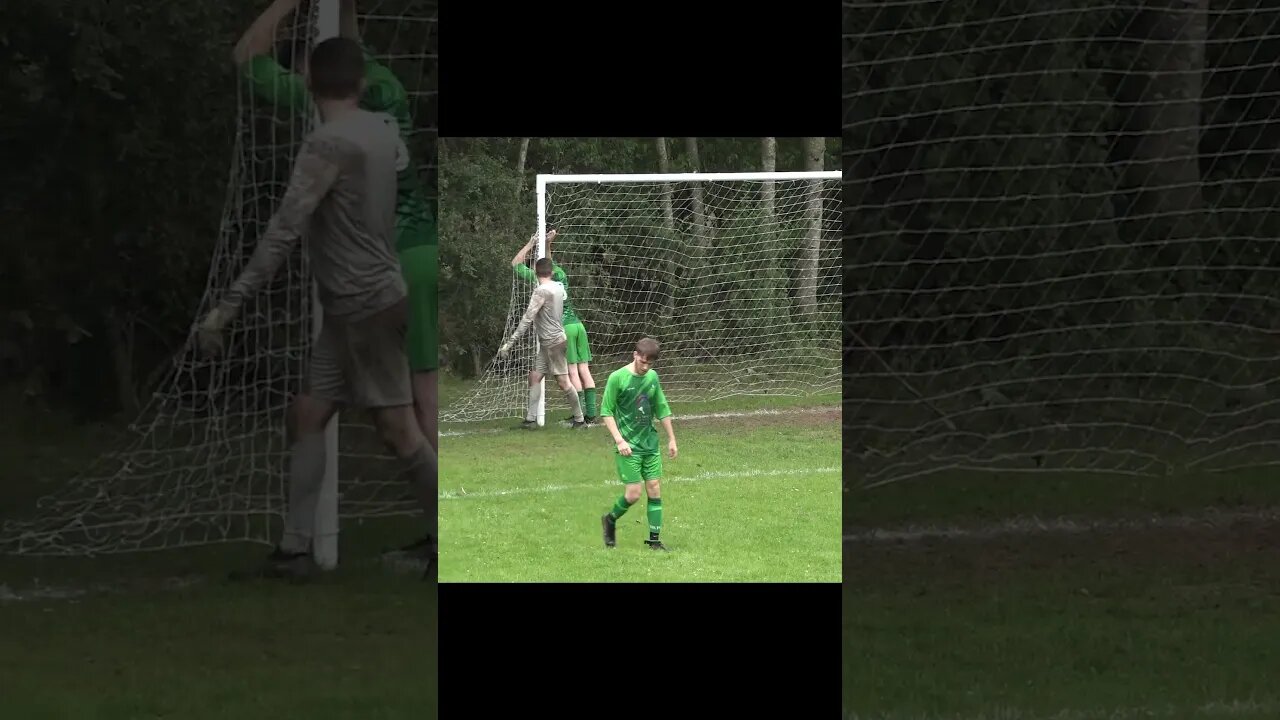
point(363, 363)
point(551, 359)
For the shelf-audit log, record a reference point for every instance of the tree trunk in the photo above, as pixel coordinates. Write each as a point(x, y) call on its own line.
point(1160, 196)
point(120, 336)
point(477, 364)
point(807, 290)
point(521, 159)
point(664, 166)
point(699, 216)
point(670, 267)
point(768, 163)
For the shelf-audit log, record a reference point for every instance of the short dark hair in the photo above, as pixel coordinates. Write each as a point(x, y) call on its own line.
point(336, 69)
point(648, 348)
point(543, 267)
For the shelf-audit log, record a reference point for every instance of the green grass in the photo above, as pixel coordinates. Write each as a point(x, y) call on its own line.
point(165, 635)
point(362, 645)
point(1130, 622)
point(749, 499)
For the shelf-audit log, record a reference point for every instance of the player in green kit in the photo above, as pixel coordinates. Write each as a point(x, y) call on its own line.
point(578, 349)
point(281, 82)
point(633, 399)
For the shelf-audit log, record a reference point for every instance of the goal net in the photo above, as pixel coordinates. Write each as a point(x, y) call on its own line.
point(206, 460)
point(737, 275)
point(1060, 234)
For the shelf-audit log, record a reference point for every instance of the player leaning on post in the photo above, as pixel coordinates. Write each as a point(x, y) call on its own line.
point(633, 399)
point(342, 194)
point(278, 80)
point(546, 314)
point(577, 347)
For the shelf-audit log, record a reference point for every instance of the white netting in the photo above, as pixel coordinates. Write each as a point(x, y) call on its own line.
point(1060, 229)
point(207, 458)
point(742, 291)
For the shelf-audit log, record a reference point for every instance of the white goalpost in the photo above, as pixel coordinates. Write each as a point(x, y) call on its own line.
point(737, 274)
point(325, 542)
point(206, 460)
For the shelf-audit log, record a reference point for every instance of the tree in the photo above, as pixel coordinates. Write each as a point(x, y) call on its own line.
point(486, 219)
point(768, 163)
point(700, 227)
point(815, 150)
point(110, 184)
point(664, 166)
point(521, 158)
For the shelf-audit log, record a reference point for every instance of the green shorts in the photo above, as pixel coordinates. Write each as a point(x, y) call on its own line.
point(420, 266)
point(578, 350)
point(638, 468)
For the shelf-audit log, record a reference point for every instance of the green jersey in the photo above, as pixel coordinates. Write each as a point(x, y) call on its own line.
point(415, 224)
point(557, 274)
point(634, 402)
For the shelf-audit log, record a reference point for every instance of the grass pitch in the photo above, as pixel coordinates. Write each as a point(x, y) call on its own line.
point(752, 497)
point(1071, 597)
point(166, 635)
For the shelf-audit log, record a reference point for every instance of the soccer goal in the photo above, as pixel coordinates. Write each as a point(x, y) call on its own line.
point(736, 274)
point(1061, 240)
point(206, 460)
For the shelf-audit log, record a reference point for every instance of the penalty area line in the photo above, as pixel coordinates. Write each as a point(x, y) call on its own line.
point(462, 494)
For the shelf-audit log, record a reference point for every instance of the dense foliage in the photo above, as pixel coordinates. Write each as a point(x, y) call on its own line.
point(118, 130)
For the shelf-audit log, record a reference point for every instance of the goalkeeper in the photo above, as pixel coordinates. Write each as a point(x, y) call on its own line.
point(342, 194)
point(633, 399)
point(577, 348)
point(274, 80)
point(545, 313)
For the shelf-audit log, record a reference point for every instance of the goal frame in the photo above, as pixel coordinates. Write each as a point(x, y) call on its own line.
point(545, 179)
point(324, 539)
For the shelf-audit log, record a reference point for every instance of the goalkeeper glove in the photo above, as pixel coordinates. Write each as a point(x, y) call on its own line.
point(504, 351)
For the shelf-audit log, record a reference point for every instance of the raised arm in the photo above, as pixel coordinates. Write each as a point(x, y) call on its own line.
point(557, 272)
point(273, 83)
point(522, 255)
point(261, 35)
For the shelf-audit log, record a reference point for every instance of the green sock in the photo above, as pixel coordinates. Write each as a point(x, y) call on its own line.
point(620, 507)
point(655, 518)
point(589, 406)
